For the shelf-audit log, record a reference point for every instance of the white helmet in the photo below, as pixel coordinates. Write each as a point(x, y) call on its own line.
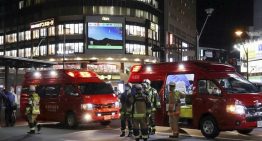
point(147, 81)
point(31, 88)
point(172, 83)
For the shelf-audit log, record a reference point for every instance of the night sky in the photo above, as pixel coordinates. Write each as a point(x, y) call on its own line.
point(228, 16)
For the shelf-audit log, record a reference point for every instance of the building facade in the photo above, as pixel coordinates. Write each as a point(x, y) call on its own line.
point(180, 30)
point(107, 36)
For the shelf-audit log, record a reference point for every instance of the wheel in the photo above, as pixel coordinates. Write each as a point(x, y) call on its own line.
point(71, 121)
point(209, 127)
point(105, 123)
point(245, 131)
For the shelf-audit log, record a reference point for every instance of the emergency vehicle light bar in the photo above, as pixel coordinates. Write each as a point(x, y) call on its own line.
point(136, 68)
point(81, 74)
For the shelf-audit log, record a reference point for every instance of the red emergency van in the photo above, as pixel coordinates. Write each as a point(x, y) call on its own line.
point(71, 97)
point(217, 97)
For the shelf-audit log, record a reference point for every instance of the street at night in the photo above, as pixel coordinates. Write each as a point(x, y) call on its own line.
point(96, 132)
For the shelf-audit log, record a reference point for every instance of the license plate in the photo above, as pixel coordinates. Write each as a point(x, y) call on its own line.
point(107, 117)
point(259, 123)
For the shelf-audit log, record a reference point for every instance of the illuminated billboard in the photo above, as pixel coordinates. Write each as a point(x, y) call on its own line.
point(105, 35)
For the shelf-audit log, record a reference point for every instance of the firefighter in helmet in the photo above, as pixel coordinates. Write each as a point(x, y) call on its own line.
point(140, 112)
point(33, 110)
point(155, 103)
point(126, 110)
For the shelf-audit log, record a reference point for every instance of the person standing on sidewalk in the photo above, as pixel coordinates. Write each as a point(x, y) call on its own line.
point(9, 100)
point(1, 104)
point(126, 110)
point(33, 110)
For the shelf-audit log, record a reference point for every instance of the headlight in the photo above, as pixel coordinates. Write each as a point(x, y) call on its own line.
point(117, 104)
point(87, 106)
point(237, 109)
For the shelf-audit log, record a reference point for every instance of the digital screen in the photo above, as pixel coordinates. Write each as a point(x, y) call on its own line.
point(105, 36)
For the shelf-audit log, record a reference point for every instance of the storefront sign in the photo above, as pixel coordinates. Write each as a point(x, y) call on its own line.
point(105, 19)
point(41, 24)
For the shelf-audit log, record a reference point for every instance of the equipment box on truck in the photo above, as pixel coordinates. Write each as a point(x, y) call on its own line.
point(71, 97)
point(217, 98)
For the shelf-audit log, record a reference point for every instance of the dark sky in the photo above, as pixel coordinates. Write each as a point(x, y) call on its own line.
point(228, 16)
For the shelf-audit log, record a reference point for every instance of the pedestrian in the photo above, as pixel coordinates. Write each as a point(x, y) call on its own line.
point(126, 111)
point(140, 112)
point(9, 100)
point(33, 110)
point(174, 109)
point(155, 104)
point(1, 104)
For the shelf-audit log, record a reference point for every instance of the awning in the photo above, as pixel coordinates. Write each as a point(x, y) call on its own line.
point(20, 62)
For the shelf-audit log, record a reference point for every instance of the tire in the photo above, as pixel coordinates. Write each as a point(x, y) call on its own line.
point(209, 127)
point(245, 131)
point(71, 121)
point(105, 123)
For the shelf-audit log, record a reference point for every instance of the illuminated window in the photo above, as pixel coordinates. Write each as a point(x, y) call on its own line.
point(43, 51)
point(21, 53)
point(21, 36)
point(71, 48)
point(35, 51)
point(51, 31)
point(135, 49)
point(70, 29)
point(133, 30)
point(11, 38)
point(43, 32)
point(1, 40)
point(27, 35)
point(51, 49)
point(36, 34)
point(21, 4)
point(27, 52)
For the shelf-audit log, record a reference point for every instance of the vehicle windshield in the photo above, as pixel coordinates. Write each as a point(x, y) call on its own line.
point(95, 88)
point(236, 84)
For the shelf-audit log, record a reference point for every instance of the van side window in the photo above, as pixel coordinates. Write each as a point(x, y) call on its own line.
point(157, 85)
point(52, 90)
point(70, 90)
point(208, 87)
point(40, 90)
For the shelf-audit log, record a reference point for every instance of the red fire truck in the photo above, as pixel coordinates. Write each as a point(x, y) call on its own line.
point(71, 97)
point(217, 98)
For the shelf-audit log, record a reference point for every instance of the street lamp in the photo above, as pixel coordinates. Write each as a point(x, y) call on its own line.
point(239, 33)
point(209, 11)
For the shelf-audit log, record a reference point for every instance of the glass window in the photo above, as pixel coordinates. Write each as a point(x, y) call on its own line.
point(36, 34)
point(11, 38)
point(51, 31)
point(95, 88)
point(1, 40)
point(27, 52)
point(21, 53)
point(21, 36)
point(51, 49)
point(133, 30)
point(135, 49)
point(43, 32)
point(27, 35)
point(235, 84)
point(71, 90)
point(43, 51)
point(52, 90)
point(35, 51)
point(60, 30)
point(208, 87)
point(21, 4)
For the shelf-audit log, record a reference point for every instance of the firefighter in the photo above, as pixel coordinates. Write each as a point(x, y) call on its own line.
point(33, 110)
point(140, 112)
point(155, 103)
point(126, 110)
point(174, 109)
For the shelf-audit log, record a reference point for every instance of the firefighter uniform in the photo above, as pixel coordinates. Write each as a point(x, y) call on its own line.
point(174, 109)
point(33, 110)
point(155, 103)
point(126, 111)
point(140, 112)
